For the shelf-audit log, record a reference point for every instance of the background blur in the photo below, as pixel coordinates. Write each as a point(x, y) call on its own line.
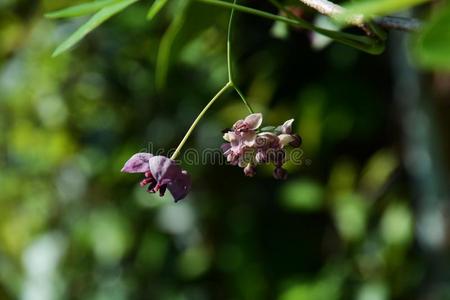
point(365, 217)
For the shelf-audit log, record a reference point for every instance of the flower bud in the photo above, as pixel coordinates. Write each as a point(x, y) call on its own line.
point(250, 170)
point(280, 173)
point(297, 142)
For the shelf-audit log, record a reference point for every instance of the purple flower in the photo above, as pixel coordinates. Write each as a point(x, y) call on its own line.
point(286, 139)
point(160, 173)
point(238, 145)
point(286, 127)
point(251, 122)
point(267, 140)
point(249, 146)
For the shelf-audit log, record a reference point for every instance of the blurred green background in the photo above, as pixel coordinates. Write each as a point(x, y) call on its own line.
point(364, 217)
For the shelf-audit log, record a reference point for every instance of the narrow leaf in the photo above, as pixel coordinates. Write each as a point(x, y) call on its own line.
point(155, 8)
point(165, 47)
point(432, 47)
point(377, 7)
point(80, 10)
point(96, 20)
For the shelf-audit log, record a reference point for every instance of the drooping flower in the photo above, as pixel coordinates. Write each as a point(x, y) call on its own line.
point(160, 173)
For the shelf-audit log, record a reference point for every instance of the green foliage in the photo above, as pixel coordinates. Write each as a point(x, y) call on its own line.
point(155, 8)
point(166, 45)
point(73, 227)
point(302, 195)
point(432, 46)
point(96, 20)
point(396, 225)
point(80, 10)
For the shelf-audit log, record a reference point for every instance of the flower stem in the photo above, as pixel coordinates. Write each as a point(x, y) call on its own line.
point(199, 117)
point(229, 58)
point(230, 61)
point(250, 109)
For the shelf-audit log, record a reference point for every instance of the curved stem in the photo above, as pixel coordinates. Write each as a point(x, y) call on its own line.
point(230, 61)
point(199, 117)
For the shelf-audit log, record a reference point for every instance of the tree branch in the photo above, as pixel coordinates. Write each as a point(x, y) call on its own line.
point(332, 10)
point(399, 23)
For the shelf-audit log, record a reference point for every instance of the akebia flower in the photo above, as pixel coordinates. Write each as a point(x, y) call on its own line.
point(160, 173)
point(251, 122)
point(248, 145)
point(286, 127)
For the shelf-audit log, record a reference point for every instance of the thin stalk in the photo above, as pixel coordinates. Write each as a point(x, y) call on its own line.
point(230, 61)
point(199, 117)
point(243, 99)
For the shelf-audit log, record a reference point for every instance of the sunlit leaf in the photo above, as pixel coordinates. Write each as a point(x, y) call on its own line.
point(96, 20)
point(432, 48)
point(378, 7)
point(81, 9)
point(397, 224)
point(156, 8)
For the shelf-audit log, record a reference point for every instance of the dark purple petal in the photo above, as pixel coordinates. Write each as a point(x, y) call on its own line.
point(167, 172)
point(163, 169)
point(297, 142)
point(138, 163)
point(180, 186)
point(225, 147)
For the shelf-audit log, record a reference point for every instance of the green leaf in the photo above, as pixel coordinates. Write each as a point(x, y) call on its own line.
point(80, 10)
point(166, 45)
point(377, 7)
point(432, 47)
point(96, 20)
point(155, 8)
point(268, 128)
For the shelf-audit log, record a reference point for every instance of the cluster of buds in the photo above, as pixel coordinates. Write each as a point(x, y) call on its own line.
point(249, 146)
